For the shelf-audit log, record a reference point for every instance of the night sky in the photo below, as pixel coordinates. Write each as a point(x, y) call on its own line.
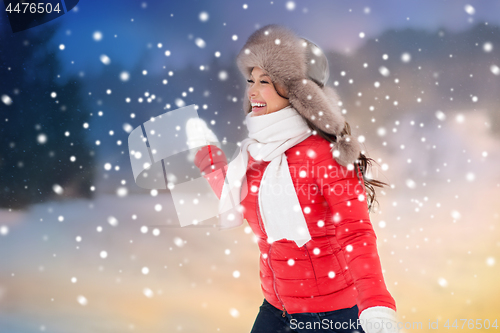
point(129, 28)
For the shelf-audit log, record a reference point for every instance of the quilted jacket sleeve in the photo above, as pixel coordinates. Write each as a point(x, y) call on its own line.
point(207, 157)
point(346, 197)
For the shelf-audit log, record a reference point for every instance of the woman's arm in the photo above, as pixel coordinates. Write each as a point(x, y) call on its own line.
point(346, 197)
point(212, 163)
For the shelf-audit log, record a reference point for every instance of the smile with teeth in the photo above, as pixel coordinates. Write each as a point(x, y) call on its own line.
point(258, 105)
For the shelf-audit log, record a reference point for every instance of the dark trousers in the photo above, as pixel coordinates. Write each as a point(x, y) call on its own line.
point(270, 320)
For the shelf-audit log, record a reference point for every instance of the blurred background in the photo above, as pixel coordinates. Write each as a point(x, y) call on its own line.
point(84, 249)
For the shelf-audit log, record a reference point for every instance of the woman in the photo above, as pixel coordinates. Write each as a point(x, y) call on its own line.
point(299, 179)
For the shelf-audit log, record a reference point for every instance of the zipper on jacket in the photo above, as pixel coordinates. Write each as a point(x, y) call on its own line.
point(269, 259)
point(274, 284)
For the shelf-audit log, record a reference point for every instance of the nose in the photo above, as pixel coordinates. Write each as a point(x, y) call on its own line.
point(251, 92)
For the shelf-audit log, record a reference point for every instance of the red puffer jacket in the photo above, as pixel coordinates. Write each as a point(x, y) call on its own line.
point(339, 267)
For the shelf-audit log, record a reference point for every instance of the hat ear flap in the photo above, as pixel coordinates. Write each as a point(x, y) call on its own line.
point(333, 99)
point(311, 101)
point(320, 106)
point(346, 150)
point(347, 146)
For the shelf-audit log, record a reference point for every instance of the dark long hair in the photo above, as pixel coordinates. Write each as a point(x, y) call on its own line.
point(363, 162)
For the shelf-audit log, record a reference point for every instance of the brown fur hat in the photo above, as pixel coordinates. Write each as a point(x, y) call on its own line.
point(288, 60)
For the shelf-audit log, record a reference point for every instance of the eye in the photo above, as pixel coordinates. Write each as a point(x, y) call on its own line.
point(263, 81)
point(250, 81)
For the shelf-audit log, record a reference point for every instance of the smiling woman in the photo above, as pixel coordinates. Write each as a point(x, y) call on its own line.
point(265, 96)
point(299, 179)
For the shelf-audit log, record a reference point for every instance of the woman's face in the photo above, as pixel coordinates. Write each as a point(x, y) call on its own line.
point(262, 94)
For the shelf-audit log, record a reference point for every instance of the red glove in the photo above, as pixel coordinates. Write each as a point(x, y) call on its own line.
point(207, 157)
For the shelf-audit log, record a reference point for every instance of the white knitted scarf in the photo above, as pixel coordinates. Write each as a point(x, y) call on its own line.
point(270, 135)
